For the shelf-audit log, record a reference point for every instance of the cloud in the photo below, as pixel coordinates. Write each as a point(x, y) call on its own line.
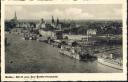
point(71, 13)
point(118, 12)
point(76, 13)
point(10, 11)
point(65, 11)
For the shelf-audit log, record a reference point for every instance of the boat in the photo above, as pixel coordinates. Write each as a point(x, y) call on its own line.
point(70, 54)
point(76, 53)
point(110, 62)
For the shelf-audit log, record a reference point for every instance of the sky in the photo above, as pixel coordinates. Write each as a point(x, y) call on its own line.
point(65, 11)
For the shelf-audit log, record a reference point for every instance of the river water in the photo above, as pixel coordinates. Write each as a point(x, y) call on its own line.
point(29, 56)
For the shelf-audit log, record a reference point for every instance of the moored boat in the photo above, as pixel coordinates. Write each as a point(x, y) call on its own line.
point(70, 54)
point(110, 62)
point(76, 53)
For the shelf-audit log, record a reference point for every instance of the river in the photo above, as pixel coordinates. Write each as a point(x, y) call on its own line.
point(30, 56)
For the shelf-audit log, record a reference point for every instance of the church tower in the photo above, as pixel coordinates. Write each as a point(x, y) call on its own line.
point(57, 22)
point(15, 17)
point(14, 21)
point(53, 22)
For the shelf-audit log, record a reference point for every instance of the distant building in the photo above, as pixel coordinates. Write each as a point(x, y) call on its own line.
point(72, 24)
point(14, 20)
point(59, 26)
point(53, 22)
point(42, 24)
point(57, 22)
point(15, 17)
point(91, 31)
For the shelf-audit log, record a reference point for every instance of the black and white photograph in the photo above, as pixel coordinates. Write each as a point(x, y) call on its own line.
point(66, 38)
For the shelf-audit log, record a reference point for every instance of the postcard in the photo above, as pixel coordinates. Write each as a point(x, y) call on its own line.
point(58, 40)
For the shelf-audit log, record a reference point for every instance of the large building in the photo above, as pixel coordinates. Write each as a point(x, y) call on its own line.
point(91, 31)
point(42, 24)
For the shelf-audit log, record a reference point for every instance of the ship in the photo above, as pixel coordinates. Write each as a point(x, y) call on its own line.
point(114, 63)
point(76, 53)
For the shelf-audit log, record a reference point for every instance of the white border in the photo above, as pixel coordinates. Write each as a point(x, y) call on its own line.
point(65, 76)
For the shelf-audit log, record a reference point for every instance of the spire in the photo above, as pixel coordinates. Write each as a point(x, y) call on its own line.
point(57, 21)
point(15, 17)
point(53, 22)
point(42, 20)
